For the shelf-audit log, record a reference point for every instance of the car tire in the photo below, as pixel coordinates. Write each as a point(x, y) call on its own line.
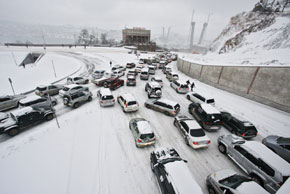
point(152, 167)
point(87, 81)
point(222, 148)
point(149, 96)
point(186, 141)
point(123, 110)
point(175, 123)
point(90, 99)
point(53, 103)
point(147, 105)
point(257, 179)
point(176, 90)
point(76, 105)
point(210, 190)
point(188, 98)
point(167, 113)
point(49, 117)
point(12, 132)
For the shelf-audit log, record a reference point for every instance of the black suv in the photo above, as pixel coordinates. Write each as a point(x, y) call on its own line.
point(172, 172)
point(241, 128)
point(25, 117)
point(208, 116)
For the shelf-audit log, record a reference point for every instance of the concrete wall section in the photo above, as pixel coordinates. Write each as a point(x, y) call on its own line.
point(195, 70)
point(273, 84)
point(210, 73)
point(237, 78)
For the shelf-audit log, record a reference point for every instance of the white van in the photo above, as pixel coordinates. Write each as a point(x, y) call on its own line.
point(144, 75)
point(198, 98)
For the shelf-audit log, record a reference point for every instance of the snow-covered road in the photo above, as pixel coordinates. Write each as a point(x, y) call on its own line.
point(94, 152)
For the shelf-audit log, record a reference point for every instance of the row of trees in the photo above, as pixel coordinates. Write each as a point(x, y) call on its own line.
point(92, 39)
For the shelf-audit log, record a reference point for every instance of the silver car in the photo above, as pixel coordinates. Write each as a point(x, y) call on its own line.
point(258, 161)
point(50, 89)
point(9, 101)
point(38, 101)
point(72, 88)
point(142, 132)
point(76, 99)
point(179, 87)
point(228, 181)
point(77, 80)
point(165, 106)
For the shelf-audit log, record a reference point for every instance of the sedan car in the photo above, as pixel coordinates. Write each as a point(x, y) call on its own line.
point(193, 134)
point(239, 127)
point(228, 181)
point(9, 101)
point(142, 132)
point(279, 145)
point(48, 90)
point(165, 106)
point(77, 80)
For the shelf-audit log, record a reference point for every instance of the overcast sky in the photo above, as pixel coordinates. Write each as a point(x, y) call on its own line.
point(116, 14)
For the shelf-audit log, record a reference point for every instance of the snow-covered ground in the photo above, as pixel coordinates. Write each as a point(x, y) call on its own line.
point(93, 151)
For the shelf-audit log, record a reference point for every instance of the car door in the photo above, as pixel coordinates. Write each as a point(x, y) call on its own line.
point(23, 120)
point(35, 117)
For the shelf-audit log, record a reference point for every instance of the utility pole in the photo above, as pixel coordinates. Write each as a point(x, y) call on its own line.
point(43, 38)
point(53, 68)
point(202, 35)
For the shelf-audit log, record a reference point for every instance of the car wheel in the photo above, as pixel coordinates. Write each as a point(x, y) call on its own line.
point(175, 123)
point(167, 113)
point(147, 105)
point(87, 81)
point(210, 190)
point(222, 148)
point(152, 167)
point(54, 103)
point(149, 96)
point(123, 110)
point(76, 105)
point(49, 117)
point(188, 98)
point(12, 132)
point(257, 179)
point(90, 99)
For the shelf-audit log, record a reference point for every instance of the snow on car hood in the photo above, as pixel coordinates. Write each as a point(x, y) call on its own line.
point(251, 188)
point(7, 122)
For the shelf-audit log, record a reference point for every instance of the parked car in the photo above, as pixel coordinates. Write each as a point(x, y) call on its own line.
point(10, 101)
point(255, 159)
point(142, 132)
point(179, 87)
point(128, 103)
point(71, 89)
point(118, 73)
point(153, 90)
point(171, 76)
point(77, 98)
point(97, 74)
point(130, 65)
point(23, 118)
point(144, 75)
point(132, 72)
point(38, 101)
point(48, 90)
point(106, 97)
point(229, 181)
point(158, 80)
point(172, 173)
point(279, 145)
point(131, 81)
point(77, 80)
point(165, 106)
point(199, 98)
point(208, 116)
point(113, 83)
point(239, 127)
point(151, 70)
point(193, 134)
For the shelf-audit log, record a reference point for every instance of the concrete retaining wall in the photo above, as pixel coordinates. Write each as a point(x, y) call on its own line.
point(267, 85)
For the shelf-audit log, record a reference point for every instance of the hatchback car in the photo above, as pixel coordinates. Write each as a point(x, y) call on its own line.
point(76, 99)
point(113, 83)
point(255, 159)
point(48, 90)
point(228, 181)
point(238, 126)
point(71, 89)
point(208, 116)
point(179, 87)
point(131, 81)
point(128, 102)
point(199, 98)
point(172, 173)
point(9, 101)
point(279, 145)
point(38, 101)
point(142, 132)
point(158, 80)
point(165, 106)
point(23, 118)
point(77, 80)
point(193, 134)
point(106, 97)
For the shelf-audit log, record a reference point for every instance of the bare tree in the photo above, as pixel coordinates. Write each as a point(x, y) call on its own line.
point(84, 36)
point(104, 38)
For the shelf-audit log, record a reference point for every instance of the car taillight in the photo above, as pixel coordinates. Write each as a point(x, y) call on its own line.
point(139, 140)
point(208, 142)
point(207, 123)
point(40, 92)
point(281, 183)
point(127, 81)
point(126, 105)
point(134, 81)
point(195, 143)
point(101, 101)
point(113, 100)
point(179, 88)
point(154, 139)
point(243, 134)
point(174, 112)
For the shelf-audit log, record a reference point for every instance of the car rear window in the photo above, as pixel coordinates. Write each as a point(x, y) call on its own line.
point(214, 117)
point(41, 88)
point(66, 89)
point(184, 86)
point(197, 133)
point(283, 140)
point(147, 136)
point(250, 128)
point(210, 101)
point(107, 97)
point(132, 102)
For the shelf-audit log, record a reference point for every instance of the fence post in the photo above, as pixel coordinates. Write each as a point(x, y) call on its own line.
point(252, 82)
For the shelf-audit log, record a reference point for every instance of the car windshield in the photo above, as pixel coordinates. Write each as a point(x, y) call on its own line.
point(184, 86)
point(197, 133)
point(41, 88)
point(234, 181)
point(107, 97)
point(66, 89)
point(132, 102)
point(210, 101)
point(250, 128)
point(147, 136)
point(283, 140)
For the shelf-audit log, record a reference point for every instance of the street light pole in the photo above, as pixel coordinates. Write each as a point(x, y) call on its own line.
point(53, 68)
point(11, 85)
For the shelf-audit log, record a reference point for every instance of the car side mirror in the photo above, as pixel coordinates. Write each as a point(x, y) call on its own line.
point(161, 178)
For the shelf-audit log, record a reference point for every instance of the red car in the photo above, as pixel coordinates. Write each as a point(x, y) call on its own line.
point(113, 83)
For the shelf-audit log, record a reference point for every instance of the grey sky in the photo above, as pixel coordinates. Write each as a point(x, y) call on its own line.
point(116, 14)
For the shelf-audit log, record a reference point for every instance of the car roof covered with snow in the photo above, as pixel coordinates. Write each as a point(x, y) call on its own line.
point(209, 109)
point(144, 127)
point(128, 97)
point(22, 111)
point(155, 84)
point(106, 91)
point(70, 86)
point(30, 98)
point(166, 101)
point(192, 124)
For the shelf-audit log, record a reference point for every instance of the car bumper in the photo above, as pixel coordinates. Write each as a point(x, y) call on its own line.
point(141, 145)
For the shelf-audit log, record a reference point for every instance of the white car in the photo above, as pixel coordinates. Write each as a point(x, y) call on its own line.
point(118, 73)
point(193, 134)
point(198, 98)
point(179, 87)
point(128, 102)
point(158, 80)
point(71, 88)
